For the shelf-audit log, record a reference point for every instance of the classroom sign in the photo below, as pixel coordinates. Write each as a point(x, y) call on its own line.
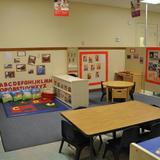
point(61, 7)
point(135, 8)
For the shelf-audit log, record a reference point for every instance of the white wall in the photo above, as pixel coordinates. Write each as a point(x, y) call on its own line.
point(30, 23)
point(116, 62)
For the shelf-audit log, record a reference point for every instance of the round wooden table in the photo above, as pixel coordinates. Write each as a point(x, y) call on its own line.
point(117, 84)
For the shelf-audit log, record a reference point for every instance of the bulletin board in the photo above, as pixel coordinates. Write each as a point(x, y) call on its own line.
point(72, 58)
point(94, 66)
point(153, 65)
point(30, 68)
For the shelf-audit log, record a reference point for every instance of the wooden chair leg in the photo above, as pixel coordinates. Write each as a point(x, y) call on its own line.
point(60, 149)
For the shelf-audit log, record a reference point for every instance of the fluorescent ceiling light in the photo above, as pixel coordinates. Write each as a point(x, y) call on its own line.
point(151, 1)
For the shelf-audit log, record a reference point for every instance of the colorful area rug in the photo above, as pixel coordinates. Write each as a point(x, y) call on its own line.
point(21, 108)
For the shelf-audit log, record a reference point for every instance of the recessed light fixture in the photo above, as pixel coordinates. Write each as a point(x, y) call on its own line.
point(151, 1)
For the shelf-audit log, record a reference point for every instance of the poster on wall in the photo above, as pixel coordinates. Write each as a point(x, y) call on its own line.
point(153, 65)
point(72, 59)
point(61, 7)
point(94, 66)
point(135, 8)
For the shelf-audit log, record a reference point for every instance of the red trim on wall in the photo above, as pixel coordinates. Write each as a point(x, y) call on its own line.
point(94, 52)
point(147, 55)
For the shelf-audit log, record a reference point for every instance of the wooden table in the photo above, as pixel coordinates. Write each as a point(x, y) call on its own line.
point(117, 84)
point(102, 119)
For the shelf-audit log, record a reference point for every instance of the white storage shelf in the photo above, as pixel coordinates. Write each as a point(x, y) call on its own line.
point(71, 90)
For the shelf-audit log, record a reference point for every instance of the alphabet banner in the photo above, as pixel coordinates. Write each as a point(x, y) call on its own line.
point(25, 84)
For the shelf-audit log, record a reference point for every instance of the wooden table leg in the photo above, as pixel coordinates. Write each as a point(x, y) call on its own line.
point(127, 93)
point(107, 95)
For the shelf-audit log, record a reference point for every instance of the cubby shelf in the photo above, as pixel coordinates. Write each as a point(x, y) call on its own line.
point(71, 90)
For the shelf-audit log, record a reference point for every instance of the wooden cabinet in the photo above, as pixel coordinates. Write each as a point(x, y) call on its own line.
point(71, 90)
point(131, 77)
point(147, 150)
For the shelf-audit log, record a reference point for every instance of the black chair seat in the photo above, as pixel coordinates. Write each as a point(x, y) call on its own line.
point(73, 136)
point(117, 145)
point(153, 132)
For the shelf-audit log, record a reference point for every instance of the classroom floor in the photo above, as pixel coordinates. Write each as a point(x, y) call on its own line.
point(50, 152)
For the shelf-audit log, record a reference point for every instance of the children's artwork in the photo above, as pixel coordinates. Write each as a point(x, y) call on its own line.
point(7, 66)
point(31, 71)
point(21, 53)
point(153, 65)
point(96, 58)
point(85, 67)
point(141, 60)
point(16, 60)
point(41, 70)
point(90, 59)
point(97, 75)
point(94, 66)
point(98, 65)
point(61, 8)
point(84, 58)
point(46, 58)
point(129, 56)
point(21, 67)
point(31, 60)
point(89, 76)
point(135, 56)
point(10, 74)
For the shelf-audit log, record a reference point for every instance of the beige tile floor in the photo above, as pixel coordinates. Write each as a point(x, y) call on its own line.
point(50, 152)
point(46, 152)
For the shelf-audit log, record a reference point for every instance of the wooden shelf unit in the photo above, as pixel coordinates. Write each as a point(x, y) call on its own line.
point(131, 77)
point(71, 90)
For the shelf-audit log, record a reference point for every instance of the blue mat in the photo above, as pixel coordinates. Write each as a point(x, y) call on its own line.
point(34, 108)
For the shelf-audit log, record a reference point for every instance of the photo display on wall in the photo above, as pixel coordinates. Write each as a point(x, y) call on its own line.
point(153, 65)
point(72, 58)
point(94, 66)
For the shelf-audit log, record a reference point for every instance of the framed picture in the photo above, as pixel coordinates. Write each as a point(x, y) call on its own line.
point(31, 60)
point(7, 66)
point(21, 67)
point(129, 56)
point(30, 71)
point(10, 74)
point(21, 53)
point(41, 70)
point(16, 60)
point(46, 58)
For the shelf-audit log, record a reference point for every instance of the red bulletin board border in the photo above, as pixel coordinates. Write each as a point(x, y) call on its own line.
point(94, 52)
point(147, 55)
